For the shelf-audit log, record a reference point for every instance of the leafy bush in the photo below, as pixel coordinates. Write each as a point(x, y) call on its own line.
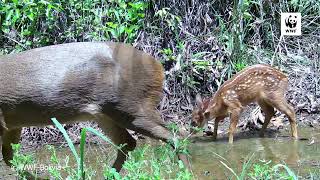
point(125, 18)
point(27, 24)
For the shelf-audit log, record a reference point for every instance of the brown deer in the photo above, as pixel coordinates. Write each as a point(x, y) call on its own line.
point(113, 84)
point(258, 83)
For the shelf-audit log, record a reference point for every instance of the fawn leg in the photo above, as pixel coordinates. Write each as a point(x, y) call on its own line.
point(216, 123)
point(235, 108)
point(234, 118)
point(268, 112)
point(279, 101)
point(288, 110)
point(119, 136)
point(11, 136)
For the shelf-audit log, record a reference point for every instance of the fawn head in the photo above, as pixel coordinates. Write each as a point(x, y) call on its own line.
point(200, 113)
point(205, 110)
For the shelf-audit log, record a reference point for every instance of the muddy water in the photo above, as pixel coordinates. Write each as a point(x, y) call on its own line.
point(302, 156)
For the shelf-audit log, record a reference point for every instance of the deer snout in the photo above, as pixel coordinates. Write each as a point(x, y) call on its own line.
point(193, 129)
point(193, 124)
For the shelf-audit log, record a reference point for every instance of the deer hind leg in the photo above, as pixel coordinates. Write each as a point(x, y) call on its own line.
point(278, 101)
point(268, 112)
point(11, 136)
point(119, 136)
point(288, 110)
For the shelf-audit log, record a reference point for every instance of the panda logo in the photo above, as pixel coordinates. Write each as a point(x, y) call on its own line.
point(291, 21)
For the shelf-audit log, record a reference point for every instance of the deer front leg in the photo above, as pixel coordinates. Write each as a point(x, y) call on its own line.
point(216, 123)
point(235, 109)
point(119, 136)
point(151, 124)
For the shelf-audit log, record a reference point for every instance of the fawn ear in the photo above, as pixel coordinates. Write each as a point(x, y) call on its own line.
point(198, 100)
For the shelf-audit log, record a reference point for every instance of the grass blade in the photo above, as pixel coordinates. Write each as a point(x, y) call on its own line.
point(245, 167)
point(70, 144)
point(289, 171)
point(82, 143)
point(231, 170)
point(102, 136)
point(66, 136)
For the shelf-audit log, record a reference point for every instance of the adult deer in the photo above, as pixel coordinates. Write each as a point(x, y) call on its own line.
point(113, 84)
point(258, 83)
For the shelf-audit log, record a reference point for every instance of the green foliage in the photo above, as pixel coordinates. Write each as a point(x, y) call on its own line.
point(239, 66)
point(266, 170)
point(21, 163)
point(27, 24)
point(158, 162)
point(150, 163)
point(262, 170)
point(201, 64)
point(125, 18)
point(180, 145)
point(168, 54)
point(54, 172)
point(245, 167)
point(142, 163)
point(169, 19)
point(80, 172)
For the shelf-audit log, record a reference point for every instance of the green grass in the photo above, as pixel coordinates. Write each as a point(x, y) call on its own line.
point(147, 162)
point(258, 170)
point(143, 163)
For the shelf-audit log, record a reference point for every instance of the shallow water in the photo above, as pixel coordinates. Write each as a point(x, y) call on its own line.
point(302, 156)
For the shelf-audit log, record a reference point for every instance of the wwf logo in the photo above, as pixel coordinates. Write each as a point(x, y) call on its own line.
point(291, 21)
point(291, 24)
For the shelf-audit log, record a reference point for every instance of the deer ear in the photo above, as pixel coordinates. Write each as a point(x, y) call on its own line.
point(198, 100)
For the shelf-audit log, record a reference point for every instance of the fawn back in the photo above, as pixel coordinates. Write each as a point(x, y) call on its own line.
point(258, 83)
